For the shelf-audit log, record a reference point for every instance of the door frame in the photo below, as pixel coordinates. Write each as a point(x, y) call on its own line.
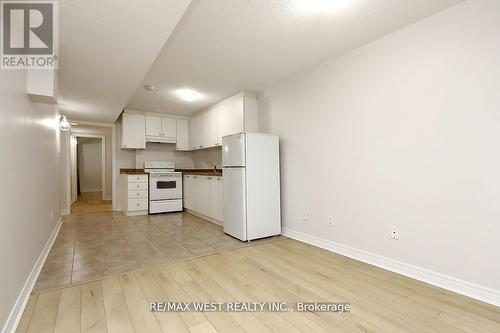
point(103, 164)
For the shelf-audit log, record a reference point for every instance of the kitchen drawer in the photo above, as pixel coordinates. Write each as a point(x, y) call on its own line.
point(138, 178)
point(137, 204)
point(138, 187)
point(137, 194)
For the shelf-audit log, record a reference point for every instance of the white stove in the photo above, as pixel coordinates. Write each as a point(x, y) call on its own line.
point(165, 187)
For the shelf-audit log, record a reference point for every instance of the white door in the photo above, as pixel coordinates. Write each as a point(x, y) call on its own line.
point(153, 126)
point(220, 199)
point(169, 129)
point(234, 216)
point(188, 192)
point(182, 134)
point(204, 195)
point(216, 203)
point(233, 151)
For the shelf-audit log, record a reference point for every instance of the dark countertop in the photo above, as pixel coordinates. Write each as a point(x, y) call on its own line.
point(133, 172)
point(200, 172)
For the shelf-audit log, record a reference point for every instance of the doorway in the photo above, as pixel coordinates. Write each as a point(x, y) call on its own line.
point(88, 174)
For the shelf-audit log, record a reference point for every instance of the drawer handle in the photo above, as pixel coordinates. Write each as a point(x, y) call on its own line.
point(209, 177)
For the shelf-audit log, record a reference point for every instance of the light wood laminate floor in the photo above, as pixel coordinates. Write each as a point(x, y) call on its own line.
point(284, 270)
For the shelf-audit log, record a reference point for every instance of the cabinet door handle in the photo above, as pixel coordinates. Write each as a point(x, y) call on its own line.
point(195, 177)
point(201, 146)
point(209, 177)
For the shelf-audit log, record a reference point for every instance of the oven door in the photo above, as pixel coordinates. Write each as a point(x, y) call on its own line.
point(165, 186)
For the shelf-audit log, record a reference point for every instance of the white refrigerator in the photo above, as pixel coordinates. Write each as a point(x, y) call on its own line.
point(251, 171)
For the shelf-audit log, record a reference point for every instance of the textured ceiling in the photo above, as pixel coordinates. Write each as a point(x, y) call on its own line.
point(105, 48)
point(221, 47)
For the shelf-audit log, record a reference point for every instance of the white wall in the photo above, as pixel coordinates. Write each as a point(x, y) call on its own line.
point(90, 165)
point(403, 131)
point(30, 184)
point(207, 158)
point(163, 152)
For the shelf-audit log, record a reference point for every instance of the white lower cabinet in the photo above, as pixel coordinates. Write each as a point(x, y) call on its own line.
point(135, 194)
point(216, 200)
point(203, 195)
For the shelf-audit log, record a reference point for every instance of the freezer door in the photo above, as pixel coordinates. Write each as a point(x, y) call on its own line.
point(233, 150)
point(235, 203)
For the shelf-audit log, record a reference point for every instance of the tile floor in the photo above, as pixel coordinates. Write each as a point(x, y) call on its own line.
point(93, 246)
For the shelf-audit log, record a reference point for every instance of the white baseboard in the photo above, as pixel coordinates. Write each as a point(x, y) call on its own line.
point(108, 198)
point(469, 289)
point(209, 219)
point(64, 212)
point(18, 308)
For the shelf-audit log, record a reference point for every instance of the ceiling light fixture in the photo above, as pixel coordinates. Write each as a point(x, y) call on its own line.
point(321, 6)
point(188, 94)
point(149, 87)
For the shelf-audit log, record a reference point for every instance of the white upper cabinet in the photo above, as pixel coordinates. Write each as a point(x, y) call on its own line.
point(221, 121)
point(183, 134)
point(235, 115)
point(161, 129)
point(153, 126)
point(169, 128)
point(210, 139)
point(234, 119)
point(194, 133)
point(133, 131)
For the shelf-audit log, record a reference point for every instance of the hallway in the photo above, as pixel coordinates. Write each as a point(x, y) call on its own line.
point(90, 202)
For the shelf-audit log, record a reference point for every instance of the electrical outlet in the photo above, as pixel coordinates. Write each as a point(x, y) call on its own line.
point(330, 221)
point(305, 216)
point(394, 232)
